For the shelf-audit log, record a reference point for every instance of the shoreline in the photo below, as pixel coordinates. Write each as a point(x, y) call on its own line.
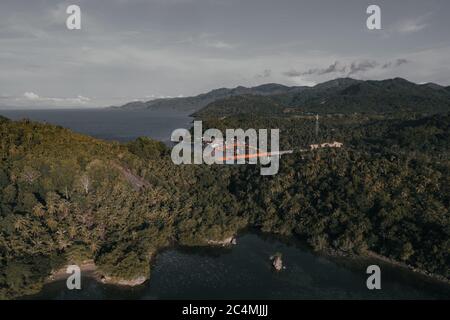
point(369, 254)
point(405, 266)
point(86, 266)
point(377, 258)
point(91, 270)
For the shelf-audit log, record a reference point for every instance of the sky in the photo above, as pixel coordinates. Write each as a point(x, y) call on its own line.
point(131, 50)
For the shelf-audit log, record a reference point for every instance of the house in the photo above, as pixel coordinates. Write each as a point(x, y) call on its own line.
point(334, 144)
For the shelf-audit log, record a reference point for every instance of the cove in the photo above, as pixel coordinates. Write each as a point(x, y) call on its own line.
point(244, 271)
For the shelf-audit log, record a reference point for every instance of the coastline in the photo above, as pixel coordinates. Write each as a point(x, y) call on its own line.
point(405, 266)
point(377, 258)
point(369, 254)
point(89, 269)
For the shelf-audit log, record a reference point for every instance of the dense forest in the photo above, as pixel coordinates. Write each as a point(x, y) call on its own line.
point(195, 103)
point(339, 96)
point(66, 197)
point(386, 191)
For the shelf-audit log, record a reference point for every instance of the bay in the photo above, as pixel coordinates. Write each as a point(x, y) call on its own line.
point(243, 271)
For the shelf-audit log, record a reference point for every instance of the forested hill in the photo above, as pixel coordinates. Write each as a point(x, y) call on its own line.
point(66, 197)
point(341, 96)
point(192, 104)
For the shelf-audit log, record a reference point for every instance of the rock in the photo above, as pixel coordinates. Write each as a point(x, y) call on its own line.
point(123, 282)
point(277, 262)
point(133, 282)
point(225, 242)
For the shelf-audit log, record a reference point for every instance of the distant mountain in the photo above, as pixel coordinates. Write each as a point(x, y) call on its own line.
point(433, 86)
point(342, 95)
point(386, 96)
point(192, 104)
point(243, 104)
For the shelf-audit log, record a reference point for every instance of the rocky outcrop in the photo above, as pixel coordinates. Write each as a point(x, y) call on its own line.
point(225, 242)
point(123, 282)
point(277, 262)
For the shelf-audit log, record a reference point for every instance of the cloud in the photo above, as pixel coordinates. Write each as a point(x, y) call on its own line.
point(408, 26)
point(170, 45)
point(32, 99)
point(219, 44)
point(335, 67)
point(265, 74)
point(293, 73)
point(207, 40)
point(396, 63)
point(412, 25)
point(362, 66)
point(31, 96)
point(348, 69)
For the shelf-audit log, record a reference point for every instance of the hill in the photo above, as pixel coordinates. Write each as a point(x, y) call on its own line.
point(341, 96)
point(66, 197)
point(192, 104)
point(386, 96)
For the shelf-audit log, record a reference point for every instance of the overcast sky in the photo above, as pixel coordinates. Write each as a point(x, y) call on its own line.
point(136, 49)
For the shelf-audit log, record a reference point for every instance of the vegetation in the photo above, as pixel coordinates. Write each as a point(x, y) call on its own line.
point(68, 197)
point(340, 96)
point(192, 104)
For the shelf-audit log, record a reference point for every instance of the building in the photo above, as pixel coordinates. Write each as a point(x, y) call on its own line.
point(334, 144)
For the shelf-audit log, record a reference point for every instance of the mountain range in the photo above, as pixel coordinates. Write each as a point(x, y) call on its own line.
point(342, 95)
point(194, 103)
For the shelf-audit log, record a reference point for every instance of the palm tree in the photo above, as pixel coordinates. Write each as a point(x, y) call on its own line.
point(20, 224)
